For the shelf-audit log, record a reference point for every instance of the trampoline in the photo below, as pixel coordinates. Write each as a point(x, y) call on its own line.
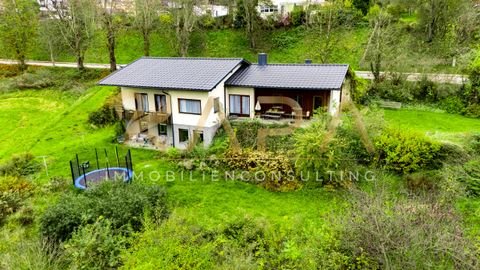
point(88, 172)
point(100, 175)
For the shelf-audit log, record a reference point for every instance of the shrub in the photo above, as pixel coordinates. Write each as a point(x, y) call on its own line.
point(406, 233)
point(406, 151)
point(13, 192)
point(56, 184)
point(474, 143)
point(298, 16)
point(95, 246)
point(124, 205)
point(244, 243)
point(472, 177)
point(473, 110)
point(422, 182)
point(104, 116)
point(20, 165)
point(272, 171)
point(452, 104)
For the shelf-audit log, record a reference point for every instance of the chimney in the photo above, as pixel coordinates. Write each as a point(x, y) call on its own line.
point(262, 59)
point(308, 61)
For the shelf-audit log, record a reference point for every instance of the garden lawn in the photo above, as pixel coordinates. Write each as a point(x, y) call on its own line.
point(442, 126)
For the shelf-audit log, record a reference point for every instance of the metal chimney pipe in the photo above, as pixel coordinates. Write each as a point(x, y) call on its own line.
point(262, 59)
point(308, 61)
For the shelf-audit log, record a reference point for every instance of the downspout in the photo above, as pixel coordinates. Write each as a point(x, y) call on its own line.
point(171, 115)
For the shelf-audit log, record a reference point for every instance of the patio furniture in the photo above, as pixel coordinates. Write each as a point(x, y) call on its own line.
point(271, 116)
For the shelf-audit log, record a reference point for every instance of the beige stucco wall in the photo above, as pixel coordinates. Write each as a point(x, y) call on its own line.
point(244, 91)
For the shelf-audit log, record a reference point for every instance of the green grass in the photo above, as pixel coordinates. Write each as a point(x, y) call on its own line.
point(299, 44)
point(441, 126)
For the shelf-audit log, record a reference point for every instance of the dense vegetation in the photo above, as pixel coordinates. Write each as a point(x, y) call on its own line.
point(373, 189)
point(322, 221)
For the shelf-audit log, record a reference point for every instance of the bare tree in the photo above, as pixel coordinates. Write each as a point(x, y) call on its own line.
point(252, 21)
point(379, 38)
point(185, 20)
point(146, 13)
point(107, 8)
point(76, 21)
point(18, 26)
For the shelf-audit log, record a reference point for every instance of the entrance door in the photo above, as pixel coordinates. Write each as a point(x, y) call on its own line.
point(317, 102)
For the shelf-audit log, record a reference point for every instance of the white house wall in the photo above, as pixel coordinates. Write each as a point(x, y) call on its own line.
point(244, 91)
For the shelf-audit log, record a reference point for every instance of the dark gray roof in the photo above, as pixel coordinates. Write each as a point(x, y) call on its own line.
point(290, 76)
point(173, 73)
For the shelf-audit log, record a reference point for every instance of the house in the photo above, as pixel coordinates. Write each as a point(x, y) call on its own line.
point(213, 10)
point(167, 101)
point(284, 7)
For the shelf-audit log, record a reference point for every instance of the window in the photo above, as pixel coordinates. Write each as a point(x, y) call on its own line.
point(216, 105)
point(199, 133)
point(183, 135)
point(268, 9)
point(192, 106)
point(161, 103)
point(240, 105)
point(162, 129)
point(141, 102)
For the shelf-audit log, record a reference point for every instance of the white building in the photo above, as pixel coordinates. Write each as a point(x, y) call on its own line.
point(168, 100)
point(283, 7)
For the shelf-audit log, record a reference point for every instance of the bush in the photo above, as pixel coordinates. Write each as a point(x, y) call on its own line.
point(13, 193)
point(95, 246)
point(473, 110)
point(104, 116)
point(20, 165)
point(472, 177)
point(406, 233)
point(272, 171)
point(452, 104)
point(298, 16)
point(124, 205)
point(406, 151)
point(242, 243)
point(422, 182)
point(474, 143)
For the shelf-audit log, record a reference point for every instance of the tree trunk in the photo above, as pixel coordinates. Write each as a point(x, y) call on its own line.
point(80, 64)
point(21, 60)
point(146, 44)
point(111, 50)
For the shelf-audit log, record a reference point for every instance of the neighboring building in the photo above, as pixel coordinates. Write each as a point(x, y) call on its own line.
point(167, 100)
point(213, 10)
point(283, 7)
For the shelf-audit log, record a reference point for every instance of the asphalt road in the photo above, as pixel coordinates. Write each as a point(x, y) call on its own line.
point(436, 77)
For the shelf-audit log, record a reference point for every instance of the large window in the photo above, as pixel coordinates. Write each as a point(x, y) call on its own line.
point(192, 106)
point(183, 135)
point(161, 103)
point(141, 102)
point(240, 105)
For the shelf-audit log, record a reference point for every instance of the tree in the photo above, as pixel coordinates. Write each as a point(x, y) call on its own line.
point(247, 10)
point(18, 26)
point(48, 37)
point(146, 13)
point(436, 15)
point(379, 38)
point(110, 26)
point(76, 22)
point(362, 5)
point(323, 23)
point(184, 20)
